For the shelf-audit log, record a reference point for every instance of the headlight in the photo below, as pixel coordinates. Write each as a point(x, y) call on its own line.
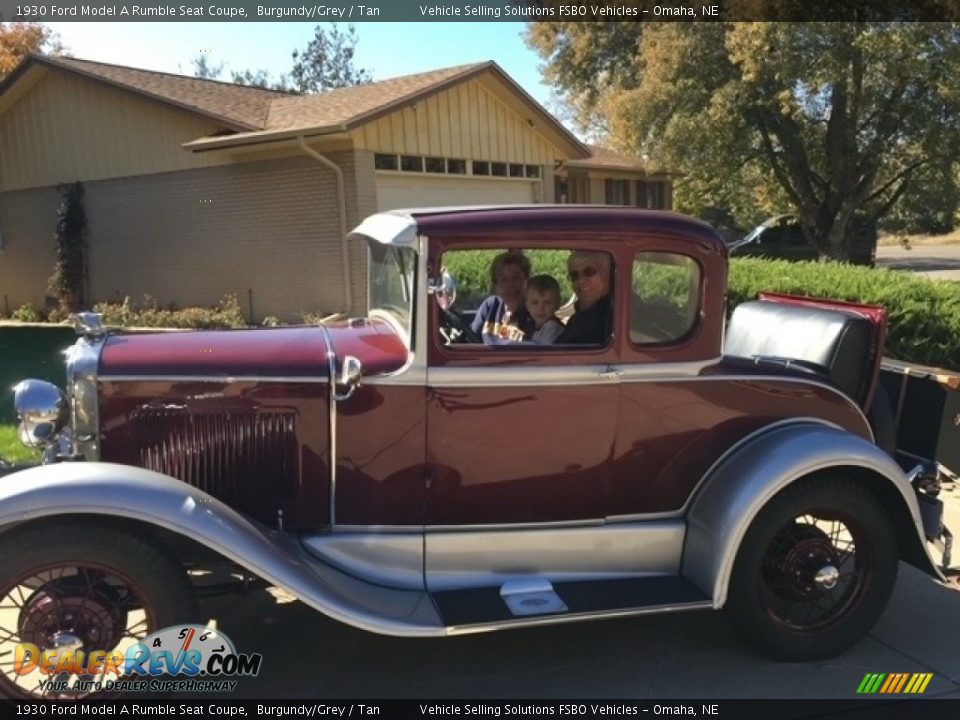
point(42, 409)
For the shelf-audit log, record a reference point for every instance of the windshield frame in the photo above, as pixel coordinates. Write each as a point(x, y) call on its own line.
point(399, 264)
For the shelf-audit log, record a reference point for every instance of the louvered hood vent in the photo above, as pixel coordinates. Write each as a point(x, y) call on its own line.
point(241, 458)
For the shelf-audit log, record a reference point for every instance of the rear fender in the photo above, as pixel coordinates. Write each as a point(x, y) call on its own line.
point(738, 488)
point(104, 490)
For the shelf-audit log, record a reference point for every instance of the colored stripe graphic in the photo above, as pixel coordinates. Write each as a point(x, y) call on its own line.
point(894, 683)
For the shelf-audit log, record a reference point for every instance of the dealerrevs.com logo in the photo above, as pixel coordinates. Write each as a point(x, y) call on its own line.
point(198, 658)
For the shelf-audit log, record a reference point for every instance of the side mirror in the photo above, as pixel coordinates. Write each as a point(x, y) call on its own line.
point(444, 289)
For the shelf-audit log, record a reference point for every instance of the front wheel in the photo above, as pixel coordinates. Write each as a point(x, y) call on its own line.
point(815, 570)
point(78, 587)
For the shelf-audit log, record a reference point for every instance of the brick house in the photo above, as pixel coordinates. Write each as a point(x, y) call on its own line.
point(196, 188)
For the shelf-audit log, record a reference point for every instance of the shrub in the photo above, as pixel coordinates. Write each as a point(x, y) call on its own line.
point(27, 313)
point(226, 314)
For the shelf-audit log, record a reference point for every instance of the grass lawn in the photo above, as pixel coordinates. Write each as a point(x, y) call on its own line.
point(11, 449)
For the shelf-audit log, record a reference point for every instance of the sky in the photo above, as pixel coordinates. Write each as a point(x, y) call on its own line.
point(385, 49)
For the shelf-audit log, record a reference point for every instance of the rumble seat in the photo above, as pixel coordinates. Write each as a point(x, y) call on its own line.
point(834, 343)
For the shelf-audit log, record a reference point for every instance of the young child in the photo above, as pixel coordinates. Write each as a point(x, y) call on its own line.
point(542, 300)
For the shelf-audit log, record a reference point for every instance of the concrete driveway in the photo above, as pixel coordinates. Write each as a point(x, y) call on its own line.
point(939, 262)
point(693, 655)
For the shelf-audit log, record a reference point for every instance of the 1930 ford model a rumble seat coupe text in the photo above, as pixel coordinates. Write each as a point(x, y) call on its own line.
point(399, 475)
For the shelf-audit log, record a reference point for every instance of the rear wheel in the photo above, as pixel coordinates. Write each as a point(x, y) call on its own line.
point(814, 571)
point(85, 588)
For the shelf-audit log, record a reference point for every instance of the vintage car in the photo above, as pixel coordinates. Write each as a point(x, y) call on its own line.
point(399, 475)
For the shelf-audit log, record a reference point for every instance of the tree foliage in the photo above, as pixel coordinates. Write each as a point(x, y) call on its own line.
point(68, 281)
point(327, 62)
point(20, 39)
point(836, 119)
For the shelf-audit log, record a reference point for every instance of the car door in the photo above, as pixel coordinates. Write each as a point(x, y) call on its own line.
point(519, 452)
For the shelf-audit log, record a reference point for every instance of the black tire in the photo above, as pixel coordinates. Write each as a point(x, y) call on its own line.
point(87, 581)
point(780, 597)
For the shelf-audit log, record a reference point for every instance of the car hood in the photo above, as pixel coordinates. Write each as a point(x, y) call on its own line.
point(296, 352)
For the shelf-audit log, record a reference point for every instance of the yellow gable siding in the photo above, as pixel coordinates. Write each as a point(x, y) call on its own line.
point(467, 121)
point(68, 128)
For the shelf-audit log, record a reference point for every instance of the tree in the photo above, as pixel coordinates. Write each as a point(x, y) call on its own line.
point(20, 39)
point(837, 119)
point(327, 62)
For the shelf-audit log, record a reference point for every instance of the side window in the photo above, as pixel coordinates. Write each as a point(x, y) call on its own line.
point(527, 298)
point(665, 297)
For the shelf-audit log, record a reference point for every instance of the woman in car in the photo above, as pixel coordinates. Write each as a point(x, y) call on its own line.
point(502, 317)
point(592, 322)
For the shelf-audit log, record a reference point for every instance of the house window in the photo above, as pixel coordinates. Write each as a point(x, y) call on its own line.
point(411, 163)
point(651, 195)
point(436, 165)
point(533, 171)
point(516, 170)
point(499, 169)
point(382, 161)
point(481, 167)
point(616, 192)
point(456, 167)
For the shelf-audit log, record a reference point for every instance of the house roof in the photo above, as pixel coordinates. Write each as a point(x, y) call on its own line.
point(256, 115)
point(607, 159)
point(238, 107)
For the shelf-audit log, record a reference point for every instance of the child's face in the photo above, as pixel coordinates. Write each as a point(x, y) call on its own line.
point(542, 305)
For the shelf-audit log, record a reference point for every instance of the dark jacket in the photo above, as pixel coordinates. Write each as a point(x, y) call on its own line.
point(589, 327)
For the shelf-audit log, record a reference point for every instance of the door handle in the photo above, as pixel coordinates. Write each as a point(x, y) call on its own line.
point(611, 373)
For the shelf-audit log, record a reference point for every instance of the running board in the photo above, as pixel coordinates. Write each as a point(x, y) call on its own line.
point(536, 601)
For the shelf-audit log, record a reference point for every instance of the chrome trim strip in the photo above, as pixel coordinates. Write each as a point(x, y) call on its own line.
point(559, 524)
point(579, 617)
point(82, 361)
point(332, 422)
point(501, 377)
point(391, 559)
point(213, 378)
point(481, 558)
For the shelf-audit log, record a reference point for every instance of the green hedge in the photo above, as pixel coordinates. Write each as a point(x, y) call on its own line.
point(924, 323)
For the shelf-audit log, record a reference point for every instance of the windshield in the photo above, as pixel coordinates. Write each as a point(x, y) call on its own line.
point(391, 288)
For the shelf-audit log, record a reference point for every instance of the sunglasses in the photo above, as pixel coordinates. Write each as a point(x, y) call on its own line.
point(587, 272)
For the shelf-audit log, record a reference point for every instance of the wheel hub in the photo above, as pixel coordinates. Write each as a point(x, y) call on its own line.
point(73, 614)
point(827, 577)
point(804, 564)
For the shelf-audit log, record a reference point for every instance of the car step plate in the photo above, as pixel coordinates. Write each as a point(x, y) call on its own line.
point(533, 596)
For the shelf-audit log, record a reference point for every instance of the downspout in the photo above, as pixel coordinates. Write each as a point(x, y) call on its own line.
point(341, 196)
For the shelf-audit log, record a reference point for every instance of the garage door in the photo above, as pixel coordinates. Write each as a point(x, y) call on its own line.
point(399, 191)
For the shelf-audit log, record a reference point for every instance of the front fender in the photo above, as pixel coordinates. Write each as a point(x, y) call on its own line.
point(737, 489)
point(105, 489)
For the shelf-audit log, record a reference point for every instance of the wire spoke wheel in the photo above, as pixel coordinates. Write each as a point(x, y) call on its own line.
point(68, 609)
point(814, 571)
point(72, 590)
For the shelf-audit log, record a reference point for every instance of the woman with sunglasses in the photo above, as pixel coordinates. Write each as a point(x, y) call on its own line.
point(592, 321)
